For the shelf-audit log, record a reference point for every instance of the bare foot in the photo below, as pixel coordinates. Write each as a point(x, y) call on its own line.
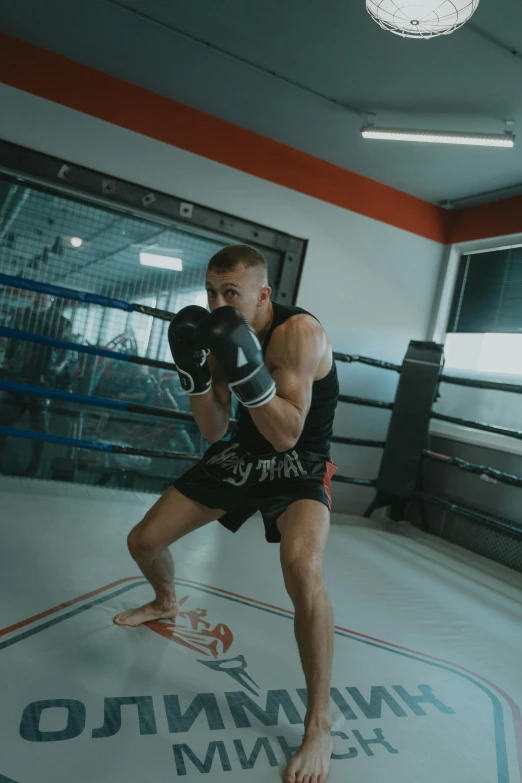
point(311, 764)
point(144, 614)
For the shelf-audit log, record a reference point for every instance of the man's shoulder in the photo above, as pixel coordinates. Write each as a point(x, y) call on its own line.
point(298, 324)
point(298, 333)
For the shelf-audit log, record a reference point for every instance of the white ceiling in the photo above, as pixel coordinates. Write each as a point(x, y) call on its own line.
point(470, 80)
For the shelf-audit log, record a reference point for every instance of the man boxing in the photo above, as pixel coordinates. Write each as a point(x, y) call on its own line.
point(277, 361)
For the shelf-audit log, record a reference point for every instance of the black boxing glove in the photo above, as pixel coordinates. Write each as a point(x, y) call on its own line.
point(191, 362)
point(238, 351)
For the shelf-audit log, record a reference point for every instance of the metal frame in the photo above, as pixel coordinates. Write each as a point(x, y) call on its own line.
point(50, 173)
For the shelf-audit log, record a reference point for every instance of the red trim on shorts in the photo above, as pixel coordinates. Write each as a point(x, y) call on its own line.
point(331, 470)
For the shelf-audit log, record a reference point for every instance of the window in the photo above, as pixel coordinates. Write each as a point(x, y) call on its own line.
point(67, 226)
point(484, 331)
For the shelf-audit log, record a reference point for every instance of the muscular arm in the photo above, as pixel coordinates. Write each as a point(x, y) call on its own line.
point(212, 410)
point(293, 357)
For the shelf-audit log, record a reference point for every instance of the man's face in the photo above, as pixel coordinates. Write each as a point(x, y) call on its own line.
point(240, 287)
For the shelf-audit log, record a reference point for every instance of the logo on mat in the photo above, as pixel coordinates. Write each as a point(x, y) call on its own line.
point(191, 629)
point(391, 706)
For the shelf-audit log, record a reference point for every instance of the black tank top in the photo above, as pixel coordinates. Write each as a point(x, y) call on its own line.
point(318, 426)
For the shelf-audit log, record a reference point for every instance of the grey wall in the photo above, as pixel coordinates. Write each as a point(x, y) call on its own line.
point(465, 489)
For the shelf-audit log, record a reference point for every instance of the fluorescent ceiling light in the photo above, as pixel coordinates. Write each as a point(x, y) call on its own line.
point(440, 137)
point(161, 262)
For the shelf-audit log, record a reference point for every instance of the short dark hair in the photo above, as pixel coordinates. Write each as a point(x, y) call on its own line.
point(234, 255)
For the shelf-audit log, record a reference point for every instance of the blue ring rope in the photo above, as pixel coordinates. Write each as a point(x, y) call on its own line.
point(92, 445)
point(83, 296)
point(93, 350)
point(65, 293)
point(97, 402)
point(20, 334)
point(14, 432)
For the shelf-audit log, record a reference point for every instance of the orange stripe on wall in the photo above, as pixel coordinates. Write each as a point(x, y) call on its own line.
point(499, 218)
point(51, 76)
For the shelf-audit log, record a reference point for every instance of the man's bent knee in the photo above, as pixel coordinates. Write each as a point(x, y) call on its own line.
point(303, 576)
point(140, 544)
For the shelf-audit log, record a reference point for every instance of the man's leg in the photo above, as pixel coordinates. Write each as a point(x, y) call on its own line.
point(169, 519)
point(304, 530)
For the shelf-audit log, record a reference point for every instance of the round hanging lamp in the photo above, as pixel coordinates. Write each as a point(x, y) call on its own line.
point(421, 18)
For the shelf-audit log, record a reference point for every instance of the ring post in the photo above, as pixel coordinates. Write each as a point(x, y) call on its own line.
point(409, 427)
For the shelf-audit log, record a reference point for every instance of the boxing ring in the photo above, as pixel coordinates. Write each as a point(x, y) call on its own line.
point(426, 680)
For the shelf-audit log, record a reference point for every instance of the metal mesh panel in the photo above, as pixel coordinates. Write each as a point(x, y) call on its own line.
point(467, 533)
point(36, 229)
point(36, 235)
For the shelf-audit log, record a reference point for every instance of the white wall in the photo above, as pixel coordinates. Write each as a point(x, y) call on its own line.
point(372, 285)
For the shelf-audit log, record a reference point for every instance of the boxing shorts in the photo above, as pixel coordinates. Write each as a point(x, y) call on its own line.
point(240, 483)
